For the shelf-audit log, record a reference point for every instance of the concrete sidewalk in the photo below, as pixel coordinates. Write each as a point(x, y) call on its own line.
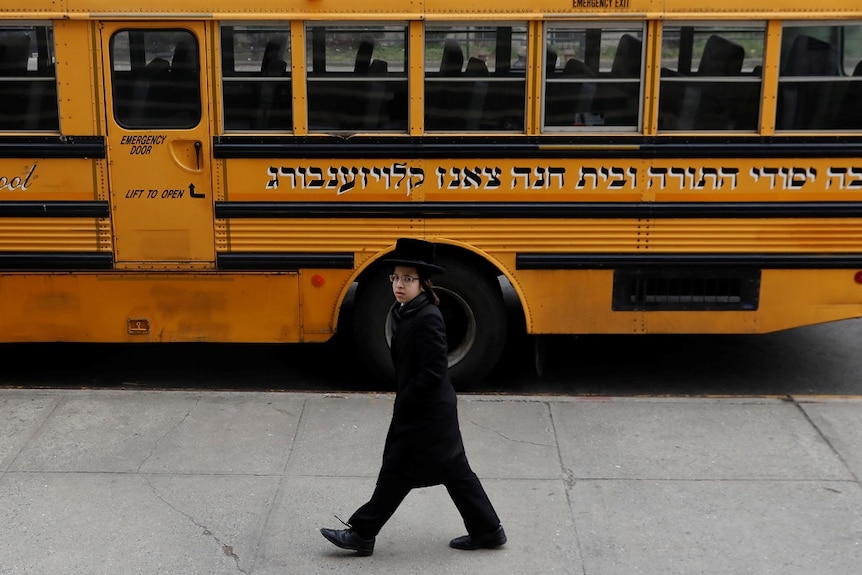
point(121, 482)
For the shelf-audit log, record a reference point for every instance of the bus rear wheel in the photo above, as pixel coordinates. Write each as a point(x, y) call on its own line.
point(472, 307)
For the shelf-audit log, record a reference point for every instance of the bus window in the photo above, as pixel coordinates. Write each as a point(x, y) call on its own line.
point(357, 77)
point(593, 77)
point(711, 77)
point(155, 75)
point(28, 84)
point(256, 77)
point(820, 77)
point(475, 77)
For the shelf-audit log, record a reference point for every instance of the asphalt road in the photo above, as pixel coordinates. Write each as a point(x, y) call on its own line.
point(822, 359)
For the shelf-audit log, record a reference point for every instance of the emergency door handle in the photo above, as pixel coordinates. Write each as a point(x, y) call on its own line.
point(188, 154)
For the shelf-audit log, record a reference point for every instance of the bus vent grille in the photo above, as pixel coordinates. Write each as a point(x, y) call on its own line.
point(686, 290)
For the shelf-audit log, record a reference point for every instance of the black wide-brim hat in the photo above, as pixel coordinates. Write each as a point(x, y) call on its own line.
point(415, 253)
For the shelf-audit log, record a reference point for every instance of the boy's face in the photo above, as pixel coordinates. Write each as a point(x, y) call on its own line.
point(405, 291)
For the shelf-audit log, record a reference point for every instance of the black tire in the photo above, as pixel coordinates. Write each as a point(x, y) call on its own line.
point(472, 307)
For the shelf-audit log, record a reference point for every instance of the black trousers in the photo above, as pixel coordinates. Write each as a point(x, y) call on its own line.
point(466, 492)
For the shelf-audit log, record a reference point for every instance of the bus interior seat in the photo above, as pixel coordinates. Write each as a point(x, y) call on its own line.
point(452, 59)
point(145, 89)
point(375, 94)
point(550, 61)
point(475, 68)
point(363, 56)
point(173, 95)
point(37, 93)
point(184, 80)
point(14, 54)
point(273, 63)
point(627, 59)
point(708, 106)
point(565, 100)
point(807, 56)
point(575, 68)
point(156, 67)
point(721, 57)
point(444, 101)
point(270, 93)
point(617, 103)
point(582, 98)
point(478, 91)
point(184, 68)
point(849, 115)
point(378, 67)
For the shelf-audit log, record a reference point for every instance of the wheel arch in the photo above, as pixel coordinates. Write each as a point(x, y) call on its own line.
point(480, 350)
point(488, 265)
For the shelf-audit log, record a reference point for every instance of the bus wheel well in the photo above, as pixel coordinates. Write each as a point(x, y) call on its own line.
point(471, 301)
point(444, 253)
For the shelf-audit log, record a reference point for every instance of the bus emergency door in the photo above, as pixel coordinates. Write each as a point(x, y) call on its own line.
point(158, 144)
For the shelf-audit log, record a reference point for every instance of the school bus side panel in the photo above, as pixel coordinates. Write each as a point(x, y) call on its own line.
point(557, 300)
point(140, 307)
point(54, 208)
point(80, 94)
point(53, 187)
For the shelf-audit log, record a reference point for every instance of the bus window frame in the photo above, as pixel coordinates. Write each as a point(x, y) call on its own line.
point(37, 80)
point(687, 73)
point(381, 83)
point(591, 75)
point(159, 79)
point(270, 87)
point(787, 82)
point(475, 78)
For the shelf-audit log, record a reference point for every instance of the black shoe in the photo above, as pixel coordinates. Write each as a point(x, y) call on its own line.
point(349, 539)
point(487, 541)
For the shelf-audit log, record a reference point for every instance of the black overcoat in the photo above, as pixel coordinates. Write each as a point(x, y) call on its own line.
point(423, 445)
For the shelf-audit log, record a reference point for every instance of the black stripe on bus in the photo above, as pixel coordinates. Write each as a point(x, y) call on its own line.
point(486, 146)
point(579, 261)
point(93, 209)
point(55, 261)
point(280, 261)
point(52, 147)
point(524, 210)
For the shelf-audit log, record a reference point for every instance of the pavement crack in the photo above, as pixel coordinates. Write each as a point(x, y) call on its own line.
point(169, 431)
point(491, 429)
point(226, 549)
point(568, 479)
point(825, 438)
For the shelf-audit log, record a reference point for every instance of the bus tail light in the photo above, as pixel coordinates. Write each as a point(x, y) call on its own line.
point(858, 277)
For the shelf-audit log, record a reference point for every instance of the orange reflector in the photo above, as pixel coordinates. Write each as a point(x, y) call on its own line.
point(318, 280)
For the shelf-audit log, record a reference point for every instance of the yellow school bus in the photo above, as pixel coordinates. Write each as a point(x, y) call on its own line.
point(233, 171)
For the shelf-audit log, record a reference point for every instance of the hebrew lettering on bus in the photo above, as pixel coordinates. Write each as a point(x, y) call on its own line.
point(693, 178)
point(343, 179)
point(788, 178)
point(466, 178)
point(848, 179)
point(614, 177)
point(402, 176)
point(538, 178)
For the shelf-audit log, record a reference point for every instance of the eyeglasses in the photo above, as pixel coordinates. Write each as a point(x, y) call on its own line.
point(406, 280)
